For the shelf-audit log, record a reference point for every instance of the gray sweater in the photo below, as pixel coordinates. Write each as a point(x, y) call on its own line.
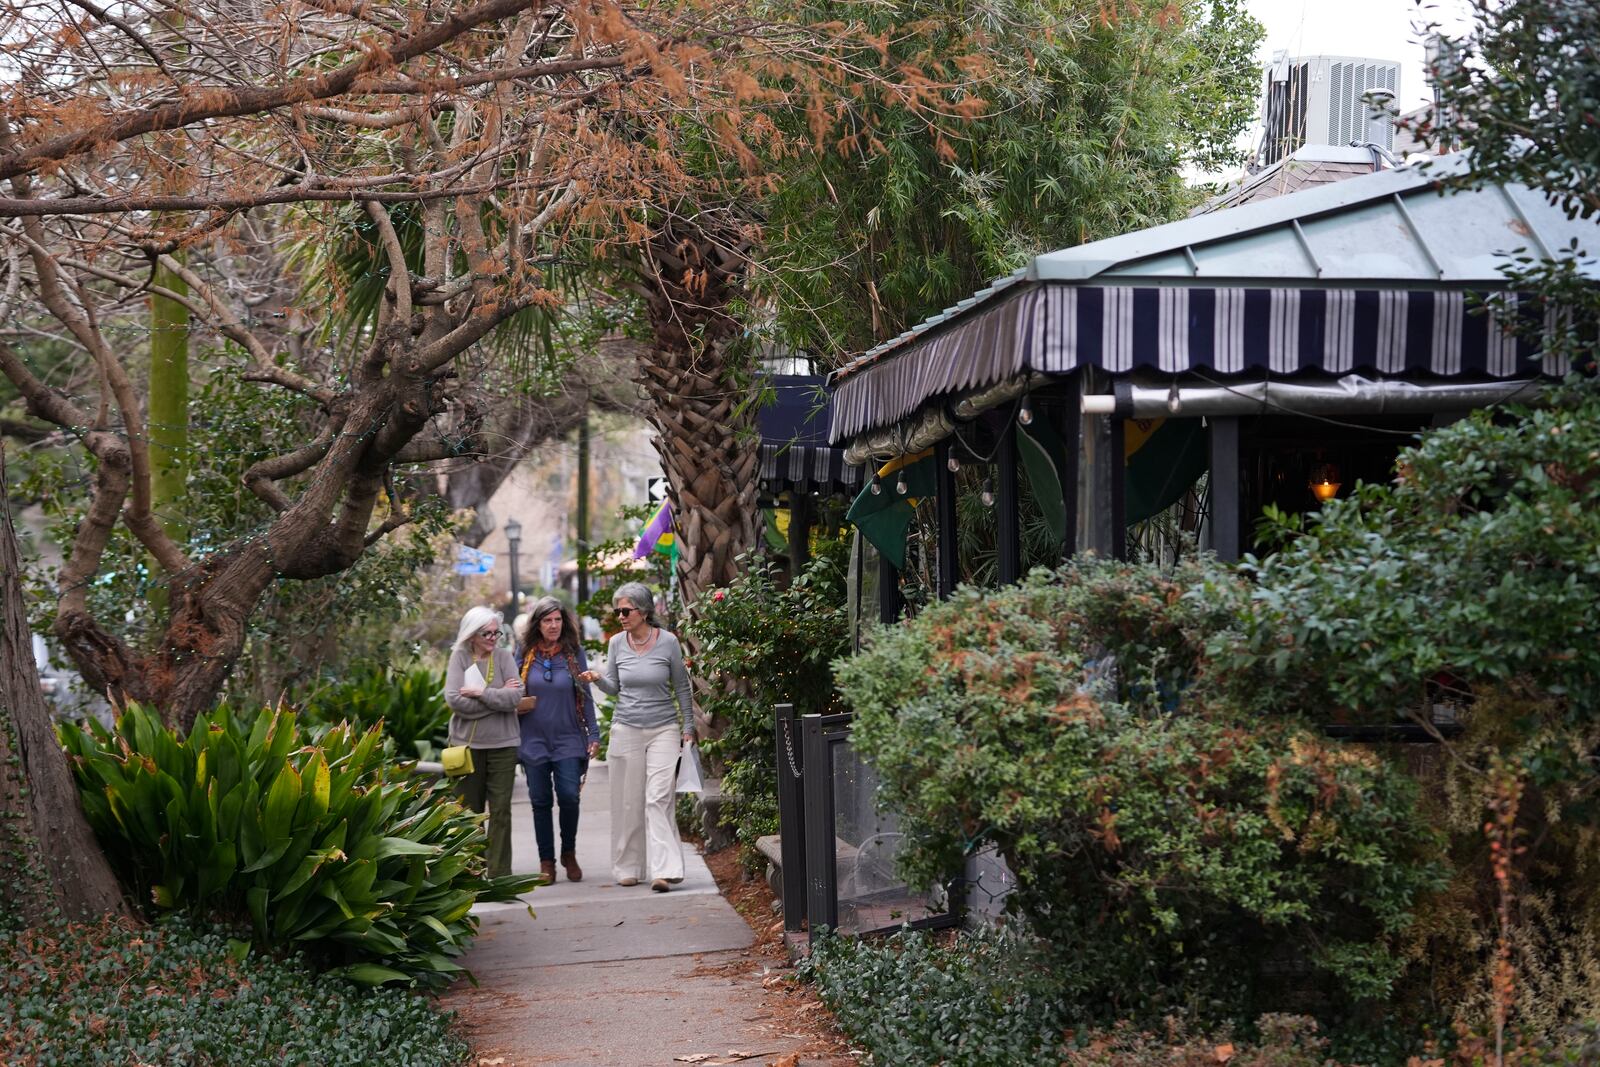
point(646, 683)
point(489, 721)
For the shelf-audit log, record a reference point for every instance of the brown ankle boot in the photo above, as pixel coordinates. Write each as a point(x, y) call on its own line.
point(547, 871)
point(569, 861)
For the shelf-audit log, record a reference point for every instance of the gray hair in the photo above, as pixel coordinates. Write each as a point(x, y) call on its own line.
point(639, 595)
point(474, 620)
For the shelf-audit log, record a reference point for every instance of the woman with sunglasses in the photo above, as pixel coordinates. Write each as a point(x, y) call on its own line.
point(645, 672)
point(484, 718)
point(560, 735)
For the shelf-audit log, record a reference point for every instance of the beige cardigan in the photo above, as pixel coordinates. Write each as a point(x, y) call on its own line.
point(489, 721)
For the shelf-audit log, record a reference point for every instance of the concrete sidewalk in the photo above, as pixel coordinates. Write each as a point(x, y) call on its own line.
point(607, 975)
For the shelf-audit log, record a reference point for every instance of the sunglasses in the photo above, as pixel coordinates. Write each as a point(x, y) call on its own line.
point(623, 613)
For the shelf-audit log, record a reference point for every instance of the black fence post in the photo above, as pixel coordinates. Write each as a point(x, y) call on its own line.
point(822, 896)
point(791, 817)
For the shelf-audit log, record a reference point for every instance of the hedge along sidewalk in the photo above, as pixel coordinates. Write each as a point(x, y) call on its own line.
point(606, 974)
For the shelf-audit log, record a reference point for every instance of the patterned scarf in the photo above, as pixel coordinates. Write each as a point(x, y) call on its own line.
point(547, 653)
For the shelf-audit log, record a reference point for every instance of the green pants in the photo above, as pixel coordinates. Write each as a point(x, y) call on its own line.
point(494, 773)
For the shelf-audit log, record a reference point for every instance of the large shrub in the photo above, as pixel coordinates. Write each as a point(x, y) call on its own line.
point(762, 642)
point(1178, 848)
point(182, 993)
point(322, 844)
point(1473, 582)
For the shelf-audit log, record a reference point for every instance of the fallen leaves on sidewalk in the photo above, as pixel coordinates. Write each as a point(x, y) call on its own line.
point(712, 1059)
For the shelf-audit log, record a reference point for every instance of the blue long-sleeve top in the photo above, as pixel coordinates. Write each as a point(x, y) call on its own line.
point(552, 730)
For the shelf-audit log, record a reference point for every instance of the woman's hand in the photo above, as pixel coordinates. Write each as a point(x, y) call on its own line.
point(527, 704)
point(588, 676)
point(688, 737)
point(513, 682)
point(471, 691)
point(594, 749)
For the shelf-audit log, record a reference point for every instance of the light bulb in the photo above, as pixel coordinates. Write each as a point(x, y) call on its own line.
point(953, 463)
point(1025, 415)
point(900, 485)
point(876, 488)
point(987, 496)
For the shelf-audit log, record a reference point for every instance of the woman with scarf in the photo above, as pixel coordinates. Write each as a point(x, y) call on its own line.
point(559, 735)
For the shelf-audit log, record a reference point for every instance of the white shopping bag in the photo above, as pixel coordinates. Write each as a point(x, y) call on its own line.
point(689, 770)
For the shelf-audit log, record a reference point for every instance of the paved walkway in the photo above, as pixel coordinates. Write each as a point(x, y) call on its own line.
point(613, 976)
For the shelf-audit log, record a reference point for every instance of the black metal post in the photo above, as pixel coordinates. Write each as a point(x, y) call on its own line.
point(1068, 420)
point(1119, 489)
point(945, 505)
point(512, 545)
point(791, 816)
point(890, 603)
point(583, 509)
point(1226, 506)
point(1008, 517)
point(802, 516)
point(822, 896)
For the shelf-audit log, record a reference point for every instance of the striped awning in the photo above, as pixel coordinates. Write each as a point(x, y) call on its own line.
point(807, 468)
point(1058, 328)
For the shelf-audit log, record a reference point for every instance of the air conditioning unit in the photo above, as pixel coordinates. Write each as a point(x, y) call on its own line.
point(1327, 100)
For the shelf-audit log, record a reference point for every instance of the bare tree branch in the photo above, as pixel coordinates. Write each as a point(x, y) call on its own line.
point(218, 102)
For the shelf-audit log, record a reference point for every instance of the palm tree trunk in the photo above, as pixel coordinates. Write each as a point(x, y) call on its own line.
point(698, 383)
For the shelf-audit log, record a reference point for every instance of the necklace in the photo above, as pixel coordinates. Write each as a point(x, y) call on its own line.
point(639, 646)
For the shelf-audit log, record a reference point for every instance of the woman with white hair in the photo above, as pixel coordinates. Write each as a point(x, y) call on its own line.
point(646, 673)
point(485, 707)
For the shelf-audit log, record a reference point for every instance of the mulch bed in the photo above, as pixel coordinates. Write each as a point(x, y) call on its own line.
point(793, 1003)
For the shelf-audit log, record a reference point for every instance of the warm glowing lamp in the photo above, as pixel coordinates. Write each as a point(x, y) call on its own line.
point(1325, 482)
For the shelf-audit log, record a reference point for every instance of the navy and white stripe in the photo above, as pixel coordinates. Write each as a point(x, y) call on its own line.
point(807, 467)
point(1057, 328)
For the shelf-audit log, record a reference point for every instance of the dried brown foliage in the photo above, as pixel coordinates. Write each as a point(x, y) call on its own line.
point(207, 139)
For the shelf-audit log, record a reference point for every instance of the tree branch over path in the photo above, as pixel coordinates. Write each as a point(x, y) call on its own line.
point(389, 217)
point(218, 102)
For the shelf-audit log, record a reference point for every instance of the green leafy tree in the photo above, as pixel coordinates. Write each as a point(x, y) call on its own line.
point(1081, 117)
point(1521, 90)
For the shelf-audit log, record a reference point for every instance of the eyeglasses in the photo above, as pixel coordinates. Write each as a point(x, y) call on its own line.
point(489, 633)
point(623, 613)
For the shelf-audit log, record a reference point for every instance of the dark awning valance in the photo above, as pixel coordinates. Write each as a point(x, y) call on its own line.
point(1057, 328)
point(794, 447)
point(808, 467)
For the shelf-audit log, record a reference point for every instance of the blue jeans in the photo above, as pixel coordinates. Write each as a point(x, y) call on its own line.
point(565, 775)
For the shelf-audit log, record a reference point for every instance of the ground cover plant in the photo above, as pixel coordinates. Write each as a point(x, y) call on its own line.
point(183, 993)
point(327, 844)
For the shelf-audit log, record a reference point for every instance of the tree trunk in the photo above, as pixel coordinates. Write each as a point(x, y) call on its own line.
point(701, 409)
point(701, 404)
point(169, 405)
point(49, 853)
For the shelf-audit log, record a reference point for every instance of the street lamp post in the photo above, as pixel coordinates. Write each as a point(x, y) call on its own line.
point(513, 539)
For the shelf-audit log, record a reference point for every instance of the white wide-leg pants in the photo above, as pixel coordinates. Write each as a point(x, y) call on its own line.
point(644, 825)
